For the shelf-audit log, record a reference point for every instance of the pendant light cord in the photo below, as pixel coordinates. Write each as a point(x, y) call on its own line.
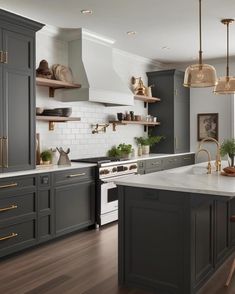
point(200, 31)
point(227, 68)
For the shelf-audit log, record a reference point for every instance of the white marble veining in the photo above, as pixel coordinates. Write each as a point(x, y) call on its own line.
point(45, 169)
point(185, 179)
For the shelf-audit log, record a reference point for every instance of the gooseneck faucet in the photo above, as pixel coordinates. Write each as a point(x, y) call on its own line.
point(209, 158)
point(218, 157)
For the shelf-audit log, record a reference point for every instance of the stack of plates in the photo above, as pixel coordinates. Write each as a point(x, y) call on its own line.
point(66, 111)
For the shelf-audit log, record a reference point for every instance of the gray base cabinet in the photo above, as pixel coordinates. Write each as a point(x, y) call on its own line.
point(157, 164)
point(171, 242)
point(38, 208)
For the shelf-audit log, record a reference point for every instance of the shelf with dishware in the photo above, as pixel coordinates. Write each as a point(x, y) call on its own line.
point(146, 99)
point(55, 119)
point(130, 122)
point(55, 84)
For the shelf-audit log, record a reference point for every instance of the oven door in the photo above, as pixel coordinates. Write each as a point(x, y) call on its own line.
point(109, 195)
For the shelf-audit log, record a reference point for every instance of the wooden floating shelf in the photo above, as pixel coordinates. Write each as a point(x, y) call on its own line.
point(131, 122)
point(147, 99)
point(56, 119)
point(55, 84)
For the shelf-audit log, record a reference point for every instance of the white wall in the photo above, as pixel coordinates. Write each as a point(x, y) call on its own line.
point(204, 101)
point(77, 135)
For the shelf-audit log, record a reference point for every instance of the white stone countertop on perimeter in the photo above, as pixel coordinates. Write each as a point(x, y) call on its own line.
point(46, 169)
point(191, 178)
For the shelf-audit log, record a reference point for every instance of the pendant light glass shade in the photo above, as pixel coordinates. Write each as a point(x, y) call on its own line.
point(200, 75)
point(226, 85)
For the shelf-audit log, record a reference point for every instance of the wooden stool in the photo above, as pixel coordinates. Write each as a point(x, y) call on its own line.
point(232, 219)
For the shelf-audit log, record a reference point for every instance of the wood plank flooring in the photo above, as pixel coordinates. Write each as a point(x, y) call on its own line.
point(84, 263)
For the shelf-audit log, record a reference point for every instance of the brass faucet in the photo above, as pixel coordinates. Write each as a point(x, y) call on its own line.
point(209, 158)
point(218, 157)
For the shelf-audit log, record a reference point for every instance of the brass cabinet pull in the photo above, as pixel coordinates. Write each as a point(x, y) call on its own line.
point(9, 185)
point(1, 57)
point(76, 175)
point(155, 163)
point(5, 152)
point(13, 206)
point(1, 152)
point(186, 158)
point(12, 235)
point(5, 57)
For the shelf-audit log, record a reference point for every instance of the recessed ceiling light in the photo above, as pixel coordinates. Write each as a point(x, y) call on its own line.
point(131, 33)
point(165, 48)
point(86, 11)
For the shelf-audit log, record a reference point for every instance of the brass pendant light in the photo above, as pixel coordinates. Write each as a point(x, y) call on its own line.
point(200, 75)
point(226, 85)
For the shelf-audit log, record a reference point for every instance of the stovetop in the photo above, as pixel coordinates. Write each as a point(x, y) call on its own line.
point(98, 160)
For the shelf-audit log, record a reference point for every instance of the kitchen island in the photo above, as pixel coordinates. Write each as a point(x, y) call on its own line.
point(174, 228)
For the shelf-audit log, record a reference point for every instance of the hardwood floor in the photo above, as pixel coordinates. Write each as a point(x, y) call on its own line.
point(84, 263)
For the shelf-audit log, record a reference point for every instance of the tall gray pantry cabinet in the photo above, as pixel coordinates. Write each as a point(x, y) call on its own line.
point(172, 111)
point(17, 92)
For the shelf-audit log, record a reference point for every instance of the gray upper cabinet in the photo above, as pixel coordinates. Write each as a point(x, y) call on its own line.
point(173, 111)
point(17, 92)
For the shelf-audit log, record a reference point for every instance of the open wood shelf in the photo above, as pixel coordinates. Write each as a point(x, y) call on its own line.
point(55, 84)
point(56, 119)
point(130, 122)
point(146, 99)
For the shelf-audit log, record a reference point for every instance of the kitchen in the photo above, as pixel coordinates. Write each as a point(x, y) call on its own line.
point(78, 135)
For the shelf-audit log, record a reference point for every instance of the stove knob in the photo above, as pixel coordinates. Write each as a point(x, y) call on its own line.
point(133, 166)
point(125, 168)
point(106, 171)
point(114, 170)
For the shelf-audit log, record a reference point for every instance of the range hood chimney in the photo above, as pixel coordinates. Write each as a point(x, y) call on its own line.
point(91, 61)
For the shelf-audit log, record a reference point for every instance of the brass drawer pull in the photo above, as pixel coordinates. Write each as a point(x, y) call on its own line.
point(156, 163)
point(9, 185)
point(5, 152)
point(12, 235)
point(1, 56)
point(187, 158)
point(5, 57)
point(76, 175)
point(1, 150)
point(13, 206)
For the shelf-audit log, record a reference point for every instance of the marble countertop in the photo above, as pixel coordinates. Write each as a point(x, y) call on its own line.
point(46, 169)
point(191, 178)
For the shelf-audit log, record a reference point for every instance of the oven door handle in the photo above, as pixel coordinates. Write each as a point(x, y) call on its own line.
point(112, 179)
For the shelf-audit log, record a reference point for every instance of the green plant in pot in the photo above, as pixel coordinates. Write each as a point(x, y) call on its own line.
point(147, 142)
point(228, 148)
point(46, 156)
point(122, 151)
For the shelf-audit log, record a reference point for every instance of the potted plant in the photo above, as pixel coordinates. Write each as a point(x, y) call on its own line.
point(228, 147)
point(147, 142)
point(122, 150)
point(46, 156)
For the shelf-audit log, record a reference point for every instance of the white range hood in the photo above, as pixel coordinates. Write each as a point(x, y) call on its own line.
point(91, 61)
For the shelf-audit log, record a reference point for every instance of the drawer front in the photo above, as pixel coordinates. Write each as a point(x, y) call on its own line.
point(18, 205)
point(44, 180)
point(73, 175)
point(154, 164)
point(171, 162)
point(18, 183)
point(187, 159)
point(17, 236)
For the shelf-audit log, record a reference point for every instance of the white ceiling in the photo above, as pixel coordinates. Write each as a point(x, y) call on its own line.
point(171, 23)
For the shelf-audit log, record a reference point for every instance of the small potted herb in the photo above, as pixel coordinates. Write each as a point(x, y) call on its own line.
point(122, 151)
point(147, 142)
point(46, 156)
point(228, 147)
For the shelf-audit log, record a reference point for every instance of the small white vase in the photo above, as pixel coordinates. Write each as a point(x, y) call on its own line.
point(145, 149)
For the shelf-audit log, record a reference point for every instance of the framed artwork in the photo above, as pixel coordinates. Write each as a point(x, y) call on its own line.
point(207, 125)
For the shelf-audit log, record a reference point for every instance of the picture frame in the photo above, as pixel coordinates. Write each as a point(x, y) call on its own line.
point(207, 126)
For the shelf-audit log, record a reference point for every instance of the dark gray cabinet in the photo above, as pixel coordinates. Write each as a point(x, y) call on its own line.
point(163, 163)
point(232, 224)
point(17, 92)
point(171, 242)
point(18, 214)
point(173, 111)
point(74, 200)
